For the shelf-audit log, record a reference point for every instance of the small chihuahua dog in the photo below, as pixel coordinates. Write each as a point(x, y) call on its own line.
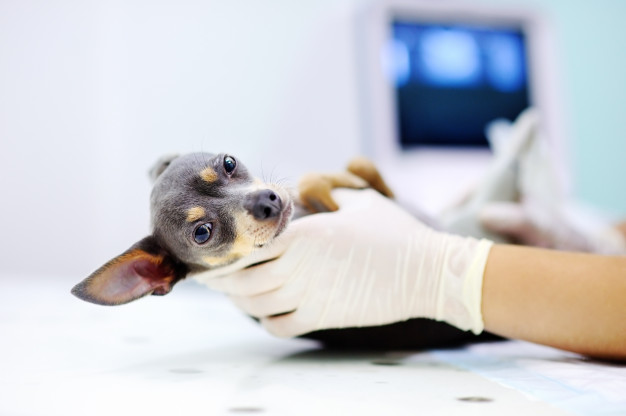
point(208, 212)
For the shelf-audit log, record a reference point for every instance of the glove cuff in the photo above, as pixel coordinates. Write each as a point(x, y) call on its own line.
point(461, 281)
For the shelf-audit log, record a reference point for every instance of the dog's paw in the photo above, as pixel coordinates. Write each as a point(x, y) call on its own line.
point(315, 188)
point(365, 168)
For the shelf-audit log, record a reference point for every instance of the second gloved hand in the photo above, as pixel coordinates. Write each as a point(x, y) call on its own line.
point(370, 263)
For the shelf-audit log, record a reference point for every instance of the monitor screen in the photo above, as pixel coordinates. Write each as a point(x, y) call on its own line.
point(451, 80)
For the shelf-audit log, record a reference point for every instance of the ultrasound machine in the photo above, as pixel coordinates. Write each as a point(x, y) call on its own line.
point(434, 74)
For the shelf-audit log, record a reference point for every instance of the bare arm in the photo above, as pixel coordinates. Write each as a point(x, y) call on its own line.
point(571, 301)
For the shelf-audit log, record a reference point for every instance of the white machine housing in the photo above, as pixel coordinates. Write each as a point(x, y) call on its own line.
point(433, 178)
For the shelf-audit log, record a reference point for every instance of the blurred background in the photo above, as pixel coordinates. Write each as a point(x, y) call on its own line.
point(92, 93)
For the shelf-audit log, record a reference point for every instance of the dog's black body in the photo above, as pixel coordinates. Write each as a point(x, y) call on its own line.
point(414, 334)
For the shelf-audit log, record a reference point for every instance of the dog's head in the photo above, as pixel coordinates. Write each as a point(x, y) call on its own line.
point(207, 212)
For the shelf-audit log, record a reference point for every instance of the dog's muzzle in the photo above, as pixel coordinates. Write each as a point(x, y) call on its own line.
point(264, 205)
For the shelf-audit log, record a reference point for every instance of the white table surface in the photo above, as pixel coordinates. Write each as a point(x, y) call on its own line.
point(192, 353)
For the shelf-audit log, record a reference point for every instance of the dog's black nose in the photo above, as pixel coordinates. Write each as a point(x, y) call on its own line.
point(264, 205)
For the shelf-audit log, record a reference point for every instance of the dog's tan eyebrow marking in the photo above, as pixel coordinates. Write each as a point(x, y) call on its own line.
point(195, 213)
point(208, 174)
point(243, 244)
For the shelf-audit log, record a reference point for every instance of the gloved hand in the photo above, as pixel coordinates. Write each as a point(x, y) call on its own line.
point(368, 264)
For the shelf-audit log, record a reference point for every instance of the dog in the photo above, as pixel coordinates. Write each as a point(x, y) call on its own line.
point(208, 212)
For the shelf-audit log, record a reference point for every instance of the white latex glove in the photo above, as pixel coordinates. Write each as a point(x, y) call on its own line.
point(368, 264)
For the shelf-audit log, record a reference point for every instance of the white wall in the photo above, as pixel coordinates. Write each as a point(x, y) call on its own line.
point(91, 93)
point(593, 61)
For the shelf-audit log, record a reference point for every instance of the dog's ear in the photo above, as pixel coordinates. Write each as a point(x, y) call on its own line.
point(159, 167)
point(145, 268)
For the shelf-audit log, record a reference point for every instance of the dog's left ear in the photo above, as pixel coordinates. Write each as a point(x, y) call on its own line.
point(160, 165)
point(145, 268)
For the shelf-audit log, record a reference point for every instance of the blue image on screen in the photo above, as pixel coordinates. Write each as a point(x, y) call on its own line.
point(451, 80)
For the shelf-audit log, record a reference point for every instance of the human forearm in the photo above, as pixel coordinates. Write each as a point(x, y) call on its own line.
point(571, 301)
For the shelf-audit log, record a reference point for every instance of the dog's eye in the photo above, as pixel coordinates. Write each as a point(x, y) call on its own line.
point(202, 233)
point(229, 164)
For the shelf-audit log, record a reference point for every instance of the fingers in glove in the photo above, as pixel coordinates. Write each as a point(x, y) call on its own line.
point(257, 274)
point(247, 282)
point(287, 325)
point(276, 302)
point(271, 275)
point(366, 200)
